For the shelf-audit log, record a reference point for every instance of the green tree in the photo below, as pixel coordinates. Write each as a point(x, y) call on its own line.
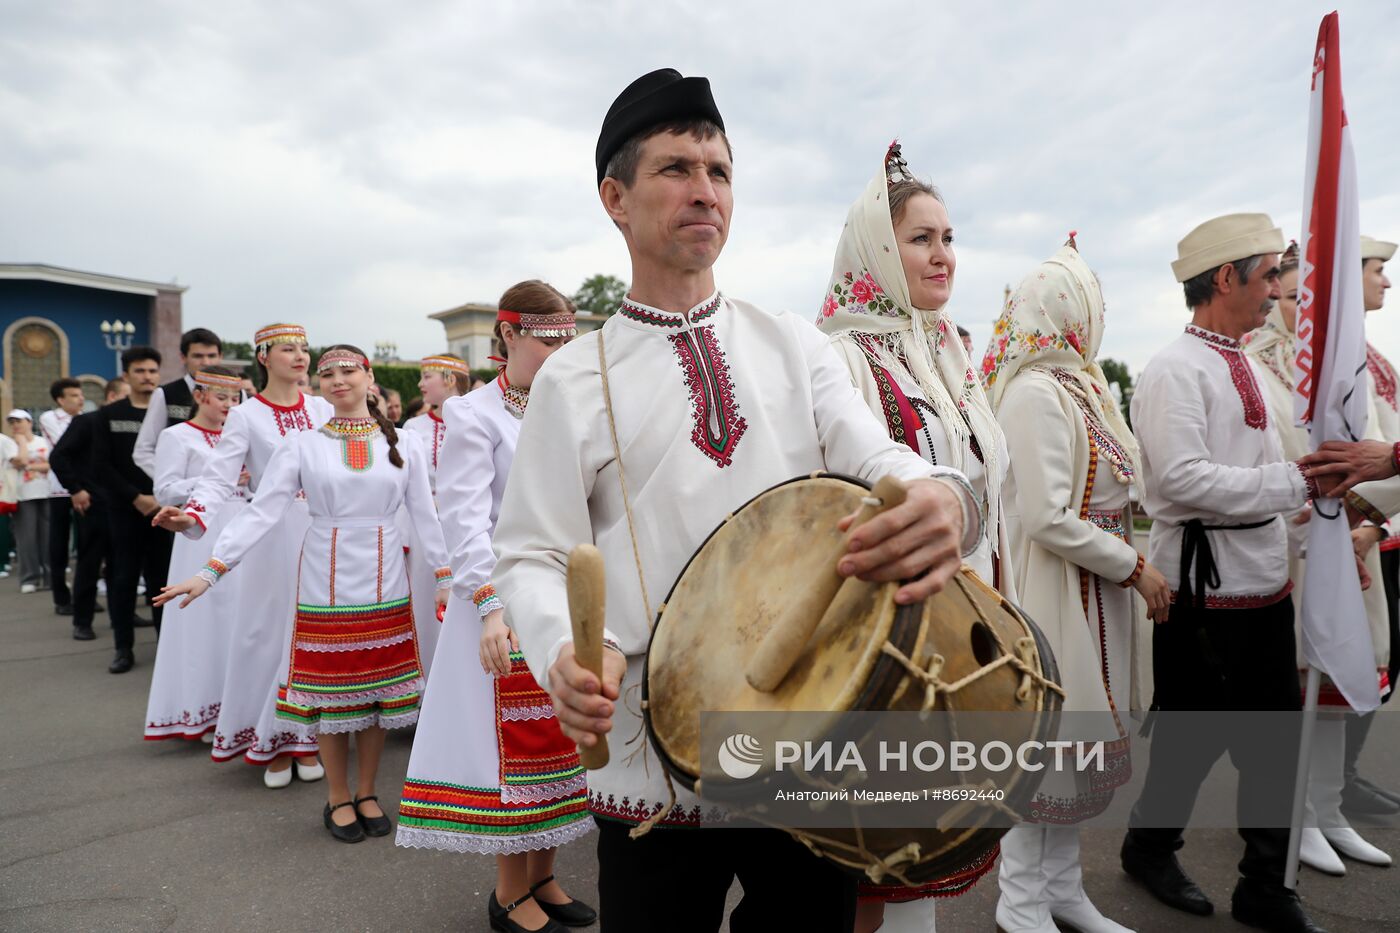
point(600, 294)
point(1117, 371)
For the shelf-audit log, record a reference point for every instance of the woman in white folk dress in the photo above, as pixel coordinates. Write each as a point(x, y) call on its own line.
point(884, 310)
point(188, 680)
point(1073, 462)
point(443, 376)
point(354, 665)
point(1327, 834)
point(491, 772)
point(264, 593)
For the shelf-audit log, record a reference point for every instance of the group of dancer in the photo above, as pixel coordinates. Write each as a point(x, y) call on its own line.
point(333, 543)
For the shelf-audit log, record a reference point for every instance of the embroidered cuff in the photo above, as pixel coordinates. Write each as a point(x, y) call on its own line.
point(486, 600)
point(443, 577)
point(1366, 509)
point(1313, 491)
point(195, 511)
point(1395, 456)
point(973, 509)
point(212, 571)
point(1137, 573)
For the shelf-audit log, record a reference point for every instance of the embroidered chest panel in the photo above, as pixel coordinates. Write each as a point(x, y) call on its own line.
point(1256, 415)
point(714, 409)
point(356, 436)
point(1383, 374)
point(291, 420)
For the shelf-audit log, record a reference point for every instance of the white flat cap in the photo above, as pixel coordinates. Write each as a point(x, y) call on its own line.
point(1225, 239)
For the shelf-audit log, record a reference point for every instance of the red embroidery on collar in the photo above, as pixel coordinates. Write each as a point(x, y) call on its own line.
point(288, 417)
point(1383, 374)
point(718, 424)
point(1256, 415)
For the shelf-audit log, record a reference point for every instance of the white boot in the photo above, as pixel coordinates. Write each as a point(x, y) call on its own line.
point(1325, 793)
point(1317, 854)
point(1064, 884)
point(1348, 842)
point(909, 917)
point(1023, 906)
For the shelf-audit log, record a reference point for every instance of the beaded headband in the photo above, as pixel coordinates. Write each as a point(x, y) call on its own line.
point(207, 380)
point(279, 333)
point(444, 364)
point(541, 325)
point(346, 359)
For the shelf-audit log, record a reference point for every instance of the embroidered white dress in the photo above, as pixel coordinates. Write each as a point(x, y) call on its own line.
point(431, 430)
point(353, 651)
point(1209, 454)
point(712, 407)
point(490, 770)
point(265, 591)
point(187, 684)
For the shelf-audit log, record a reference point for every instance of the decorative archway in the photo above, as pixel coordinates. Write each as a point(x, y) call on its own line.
point(35, 353)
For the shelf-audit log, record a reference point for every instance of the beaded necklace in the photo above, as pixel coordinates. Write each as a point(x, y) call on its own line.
point(356, 436)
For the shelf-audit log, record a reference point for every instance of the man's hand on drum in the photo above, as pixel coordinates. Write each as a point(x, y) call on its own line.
point(1156, 592)
point(919, 540)
point(171, 519)
point(583, 706)
point(497, 642)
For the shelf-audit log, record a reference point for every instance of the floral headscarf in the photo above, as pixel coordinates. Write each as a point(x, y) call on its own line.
point(1053, 322)
point(868, 295)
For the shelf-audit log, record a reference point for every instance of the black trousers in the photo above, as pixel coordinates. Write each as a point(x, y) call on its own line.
point(676, 880)
point(137, 551)
point(94, 547)
point(60, 543)
point(1390, 576)
point(1222, 660)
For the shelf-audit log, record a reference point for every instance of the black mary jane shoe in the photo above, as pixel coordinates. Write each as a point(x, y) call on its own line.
point(499, 916)
point(573, 914)
point(352, 832)
point(374, 825)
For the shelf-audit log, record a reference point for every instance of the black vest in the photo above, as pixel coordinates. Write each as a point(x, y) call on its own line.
point(179, 402)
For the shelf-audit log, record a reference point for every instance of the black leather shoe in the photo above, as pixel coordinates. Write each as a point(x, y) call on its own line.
point(1165, 881)
point(1276, 910)
point(351, 833)
point(374, 825)
point(573, 914)
point(63, 610)
point(500, 916)
point(83, 633)
point(123, 662)
point(140, 621)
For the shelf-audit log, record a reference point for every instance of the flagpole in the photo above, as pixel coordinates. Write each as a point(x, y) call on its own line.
point(1300, 783)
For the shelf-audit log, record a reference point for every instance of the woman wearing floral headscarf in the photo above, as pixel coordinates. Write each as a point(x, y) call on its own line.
point(891, 279)
point(1074, 459)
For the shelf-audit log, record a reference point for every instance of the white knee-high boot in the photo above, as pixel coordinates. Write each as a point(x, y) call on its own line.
point(1023, 906)
point(1064, 884)
point(1325, 770)
point(909, 917)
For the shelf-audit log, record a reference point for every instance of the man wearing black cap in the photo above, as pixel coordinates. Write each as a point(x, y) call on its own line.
point(712, 400)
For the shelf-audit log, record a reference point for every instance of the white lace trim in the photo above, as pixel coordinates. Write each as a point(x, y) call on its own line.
point(543, 793)
point(318, 701)
point(355, 646)
point(522, 713)
point(411, 837)
point(360, 723)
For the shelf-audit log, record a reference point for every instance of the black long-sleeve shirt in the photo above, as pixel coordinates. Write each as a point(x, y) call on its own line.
point(72, 457)
point(114, 439)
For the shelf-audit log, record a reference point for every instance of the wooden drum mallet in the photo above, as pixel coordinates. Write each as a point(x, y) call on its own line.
point(587, 588)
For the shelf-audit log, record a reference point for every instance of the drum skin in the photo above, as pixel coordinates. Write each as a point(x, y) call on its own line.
point(739, 582)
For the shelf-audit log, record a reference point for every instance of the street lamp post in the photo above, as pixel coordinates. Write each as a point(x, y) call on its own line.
point(118, 336)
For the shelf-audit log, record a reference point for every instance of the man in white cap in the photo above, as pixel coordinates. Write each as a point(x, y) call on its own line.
point(1219, 493)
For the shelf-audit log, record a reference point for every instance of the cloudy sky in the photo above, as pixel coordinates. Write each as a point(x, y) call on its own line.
point(356, 166)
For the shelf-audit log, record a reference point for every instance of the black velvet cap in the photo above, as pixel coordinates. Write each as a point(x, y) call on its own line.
point(662, 96)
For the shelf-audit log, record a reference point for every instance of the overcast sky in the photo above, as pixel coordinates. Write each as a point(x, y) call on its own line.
point(355, 166)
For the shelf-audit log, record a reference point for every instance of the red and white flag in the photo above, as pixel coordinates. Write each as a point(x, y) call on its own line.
point(1330, 394)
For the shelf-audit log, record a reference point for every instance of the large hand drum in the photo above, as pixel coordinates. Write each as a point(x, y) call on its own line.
point(868, 653)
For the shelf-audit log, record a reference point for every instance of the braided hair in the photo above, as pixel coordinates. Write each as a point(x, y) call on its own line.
point(372, 400)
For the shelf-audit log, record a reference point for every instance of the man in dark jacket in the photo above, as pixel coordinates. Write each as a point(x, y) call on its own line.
point(137, 548)
point(72, 462)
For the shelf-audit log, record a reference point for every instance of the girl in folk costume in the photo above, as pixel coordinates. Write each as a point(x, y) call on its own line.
point(1074, 460)
point(491, 772)
point(354, 656)
point(1326, 831)
point(263, 594)
point(188, 681)
point(444, 376)
point(891, 279)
